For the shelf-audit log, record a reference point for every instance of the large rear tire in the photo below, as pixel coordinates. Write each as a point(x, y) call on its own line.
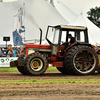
point(62, 70)
point(35, 64)
point(81, 60)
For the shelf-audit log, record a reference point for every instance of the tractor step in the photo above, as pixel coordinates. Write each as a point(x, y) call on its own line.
point(58, 64)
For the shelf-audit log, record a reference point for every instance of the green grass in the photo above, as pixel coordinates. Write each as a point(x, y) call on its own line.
point(14, 69)
point(8, 69)
point(52, 69)
point(53, 81)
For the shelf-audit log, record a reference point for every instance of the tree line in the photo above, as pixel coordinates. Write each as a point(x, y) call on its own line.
point(94, 15)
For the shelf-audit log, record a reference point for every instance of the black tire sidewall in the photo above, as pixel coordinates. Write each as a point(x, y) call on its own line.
point(29, 59)
point(62, 70)
point(21, 69)
point(73, 51)
point(92, 52)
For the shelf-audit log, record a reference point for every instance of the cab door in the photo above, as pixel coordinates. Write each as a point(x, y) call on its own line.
point(53, 37)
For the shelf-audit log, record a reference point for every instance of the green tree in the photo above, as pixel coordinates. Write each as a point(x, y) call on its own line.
point(94, 15)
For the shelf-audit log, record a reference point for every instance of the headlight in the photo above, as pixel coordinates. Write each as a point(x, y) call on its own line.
point(30, 51)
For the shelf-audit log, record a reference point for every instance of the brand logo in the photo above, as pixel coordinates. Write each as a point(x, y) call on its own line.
point(2, 60)
point(6, 60)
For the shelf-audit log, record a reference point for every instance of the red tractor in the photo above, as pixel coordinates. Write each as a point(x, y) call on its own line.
point(78, 58)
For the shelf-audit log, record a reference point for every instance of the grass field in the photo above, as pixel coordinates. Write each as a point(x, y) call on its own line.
point(14, 69)
point(53, 81)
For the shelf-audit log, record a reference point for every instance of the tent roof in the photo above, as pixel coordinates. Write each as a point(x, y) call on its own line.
point(70, 9)
point(38, 14)
point(93, 30)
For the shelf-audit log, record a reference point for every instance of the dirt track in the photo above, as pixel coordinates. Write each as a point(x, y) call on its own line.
point(48, 91)
point(47, 75)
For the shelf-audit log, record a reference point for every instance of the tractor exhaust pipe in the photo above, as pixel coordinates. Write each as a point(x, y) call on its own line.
point(40, 35)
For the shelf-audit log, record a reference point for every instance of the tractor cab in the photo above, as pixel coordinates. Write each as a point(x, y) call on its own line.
point(58, 35)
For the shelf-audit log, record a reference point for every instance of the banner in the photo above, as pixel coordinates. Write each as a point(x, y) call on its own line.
point(19, 28)
point(5, 61)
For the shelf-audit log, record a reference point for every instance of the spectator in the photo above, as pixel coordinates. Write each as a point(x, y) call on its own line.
point(8, 49)
point(1, 53)
point(14, 51)
point(17, 52)
point(10, 53)
point(10, 46)
point(21, 50)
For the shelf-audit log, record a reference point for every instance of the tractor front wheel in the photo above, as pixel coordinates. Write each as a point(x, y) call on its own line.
point(35, 64)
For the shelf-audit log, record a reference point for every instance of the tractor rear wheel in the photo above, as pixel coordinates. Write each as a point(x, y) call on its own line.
point(35, 64)
point(62, 70)
point(81, 60)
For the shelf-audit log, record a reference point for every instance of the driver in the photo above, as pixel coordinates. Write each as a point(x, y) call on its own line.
point(72, 40)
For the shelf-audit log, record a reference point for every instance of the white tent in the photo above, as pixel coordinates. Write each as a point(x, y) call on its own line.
point(70, 9)
point(9, 0)
point(93, 30)
point(38, 14)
